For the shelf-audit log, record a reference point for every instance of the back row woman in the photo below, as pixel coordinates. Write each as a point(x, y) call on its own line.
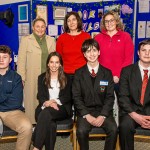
point(69, 43)
point(116, 46)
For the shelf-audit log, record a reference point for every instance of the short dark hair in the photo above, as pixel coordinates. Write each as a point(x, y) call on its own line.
point(5, 49)
point(79, 21)
point(142, 43)
point(89, 43)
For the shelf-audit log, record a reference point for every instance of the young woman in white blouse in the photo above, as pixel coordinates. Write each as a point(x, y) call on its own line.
point(54, 96)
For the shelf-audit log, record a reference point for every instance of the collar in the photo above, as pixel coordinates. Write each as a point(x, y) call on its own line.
point(105, 32)
point(6, 72)
point(95, 68)
point(142, 68)
point(38, 38)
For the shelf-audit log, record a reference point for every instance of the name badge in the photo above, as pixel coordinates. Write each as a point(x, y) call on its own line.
point(103, 83)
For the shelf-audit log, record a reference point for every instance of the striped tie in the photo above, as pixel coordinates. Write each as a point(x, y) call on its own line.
point(144, 85)
point(93, 74)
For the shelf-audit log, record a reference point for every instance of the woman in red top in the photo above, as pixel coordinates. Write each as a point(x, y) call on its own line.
point(69, 43)
point(116, 46)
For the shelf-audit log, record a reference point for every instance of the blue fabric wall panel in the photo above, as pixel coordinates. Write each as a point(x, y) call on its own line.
point(139, 17)
point(9, 36)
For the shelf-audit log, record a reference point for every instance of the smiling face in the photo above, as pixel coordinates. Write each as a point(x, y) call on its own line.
point(92, 55)
point(39, 28)
point(72, 23)
point(5, 59)
point(144, 55)
point(54, 64)
point(110, 23)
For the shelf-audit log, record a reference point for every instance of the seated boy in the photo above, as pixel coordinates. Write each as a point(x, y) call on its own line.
point(93, 94)
point(134, 97)
point(11, 98)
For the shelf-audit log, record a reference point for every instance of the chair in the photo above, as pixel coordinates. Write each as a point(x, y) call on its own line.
point(65, 126)
point(98, 132)
point(8, 135)
point(141, 134)
point(68, 126)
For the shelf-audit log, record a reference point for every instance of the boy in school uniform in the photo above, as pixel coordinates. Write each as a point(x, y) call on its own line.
point(134, 97)
point(93, 94)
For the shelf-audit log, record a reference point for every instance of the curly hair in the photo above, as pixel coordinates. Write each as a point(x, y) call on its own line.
point(119, 26)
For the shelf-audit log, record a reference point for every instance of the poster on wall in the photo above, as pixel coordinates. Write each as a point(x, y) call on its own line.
point(23, 13)
point(59, 12)
point(141, 29)
point(144, 6)
point(148, 29)
point(41, 12)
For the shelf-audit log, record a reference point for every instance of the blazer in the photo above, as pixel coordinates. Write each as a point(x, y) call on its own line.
point(130, 91)
point(89, 98)
point(43, 95)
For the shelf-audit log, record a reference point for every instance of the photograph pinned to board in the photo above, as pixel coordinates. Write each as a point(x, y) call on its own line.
point(59, 12)
point(52, 30)
point(115, 8)
point(41, 12)
point(23, 13)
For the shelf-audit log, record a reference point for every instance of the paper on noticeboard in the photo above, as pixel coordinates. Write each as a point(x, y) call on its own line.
point(144, 6)
point(52, 30)
point(141, 29)
point(148, 29)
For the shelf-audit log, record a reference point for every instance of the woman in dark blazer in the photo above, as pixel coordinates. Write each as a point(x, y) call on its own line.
point(54, 96)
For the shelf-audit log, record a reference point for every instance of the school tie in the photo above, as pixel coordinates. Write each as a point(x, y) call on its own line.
point(93, 74)
point(144, 84)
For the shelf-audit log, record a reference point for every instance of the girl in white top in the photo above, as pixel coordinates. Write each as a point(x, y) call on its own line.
point(54, 95)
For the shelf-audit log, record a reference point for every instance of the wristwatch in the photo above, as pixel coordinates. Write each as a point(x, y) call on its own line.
point(104, 117)
point(85, 116)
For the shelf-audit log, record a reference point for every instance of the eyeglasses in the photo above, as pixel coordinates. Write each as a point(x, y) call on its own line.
point(109, 21)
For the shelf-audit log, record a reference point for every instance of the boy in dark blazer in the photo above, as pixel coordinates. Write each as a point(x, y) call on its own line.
point(134, 104)
point(93, 94)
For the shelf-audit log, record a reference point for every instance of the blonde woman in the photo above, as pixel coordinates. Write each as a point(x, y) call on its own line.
point(33, 52)
point(116, 46)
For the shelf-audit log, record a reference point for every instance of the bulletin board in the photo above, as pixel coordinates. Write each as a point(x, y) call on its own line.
point(10, 35)
point(142, 27)
point(89, 13)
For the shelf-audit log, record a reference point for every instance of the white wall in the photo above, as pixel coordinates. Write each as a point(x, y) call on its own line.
point(81, 1)
point(2, 2)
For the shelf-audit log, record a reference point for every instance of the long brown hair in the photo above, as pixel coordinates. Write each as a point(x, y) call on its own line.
point(61, 75)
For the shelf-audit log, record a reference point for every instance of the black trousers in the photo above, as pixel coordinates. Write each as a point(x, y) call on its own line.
point(45, 130)
point(83, 129)
point(126, 132)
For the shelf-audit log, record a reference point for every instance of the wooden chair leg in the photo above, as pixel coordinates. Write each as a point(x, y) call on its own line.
point(71, 137)
point(118, 144)
point(78, 146)
point(74, 138)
